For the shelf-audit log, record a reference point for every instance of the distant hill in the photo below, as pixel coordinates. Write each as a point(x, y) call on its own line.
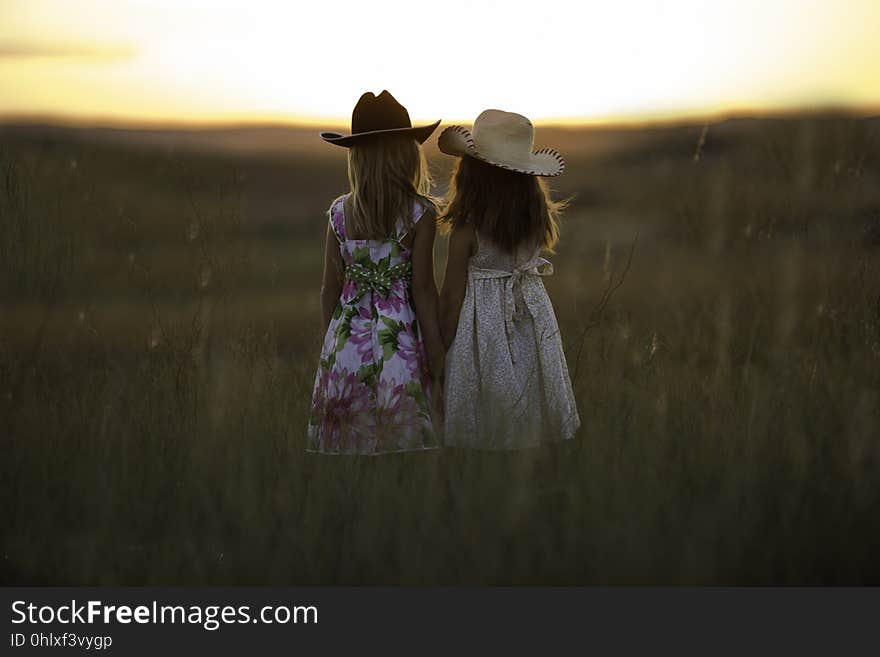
point(243, 139)
point(586, 141)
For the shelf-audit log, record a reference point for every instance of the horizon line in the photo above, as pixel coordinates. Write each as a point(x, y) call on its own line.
point(635, 121)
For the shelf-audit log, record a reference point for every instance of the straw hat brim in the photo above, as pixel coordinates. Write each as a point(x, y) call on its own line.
point(419, 133)
point(457, 140)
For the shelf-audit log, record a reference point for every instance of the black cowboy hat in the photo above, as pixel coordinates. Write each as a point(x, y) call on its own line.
point(379, 115)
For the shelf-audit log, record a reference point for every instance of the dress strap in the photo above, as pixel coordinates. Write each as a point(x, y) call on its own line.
point(336, 215)
point(419, 210)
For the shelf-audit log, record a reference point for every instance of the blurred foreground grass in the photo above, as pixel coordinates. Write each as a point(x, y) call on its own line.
point(159, 333)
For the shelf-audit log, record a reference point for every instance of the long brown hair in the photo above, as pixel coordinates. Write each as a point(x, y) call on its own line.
point(507, 207)
point(386, 174)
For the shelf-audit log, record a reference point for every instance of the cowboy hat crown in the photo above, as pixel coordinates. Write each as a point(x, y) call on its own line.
point(379, 115)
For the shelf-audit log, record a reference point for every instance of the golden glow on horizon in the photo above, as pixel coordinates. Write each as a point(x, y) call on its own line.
point(224, 61)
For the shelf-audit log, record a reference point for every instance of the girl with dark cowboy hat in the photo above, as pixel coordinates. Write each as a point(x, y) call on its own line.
point(382, 348)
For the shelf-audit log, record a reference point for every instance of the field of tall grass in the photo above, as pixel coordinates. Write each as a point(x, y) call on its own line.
point(718, 292)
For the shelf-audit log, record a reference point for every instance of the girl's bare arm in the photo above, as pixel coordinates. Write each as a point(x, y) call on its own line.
point(455, 281)
point(425, 291)
point(331, 284)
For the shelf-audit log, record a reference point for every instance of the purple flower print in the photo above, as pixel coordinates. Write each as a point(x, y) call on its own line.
point(410, 349)
point(395, 406)
point(338, 220)
point(366, 399)
point(397, 414)
point(349, 291)
point(394, 302)
point(342, 408)
point(362, 334)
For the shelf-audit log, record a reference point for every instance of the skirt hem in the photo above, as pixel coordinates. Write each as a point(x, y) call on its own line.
point(389, 451)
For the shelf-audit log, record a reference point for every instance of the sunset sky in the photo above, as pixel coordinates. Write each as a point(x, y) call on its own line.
point(178, 60)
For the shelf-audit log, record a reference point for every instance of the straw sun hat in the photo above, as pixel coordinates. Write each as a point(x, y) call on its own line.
point(505, 140)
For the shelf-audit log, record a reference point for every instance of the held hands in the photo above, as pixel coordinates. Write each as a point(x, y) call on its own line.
point(437, 365)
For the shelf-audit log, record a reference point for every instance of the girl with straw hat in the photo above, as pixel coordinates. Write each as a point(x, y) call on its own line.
point(506, 380)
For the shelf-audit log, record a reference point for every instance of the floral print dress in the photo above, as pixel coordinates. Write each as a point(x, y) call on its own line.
point(372, 389)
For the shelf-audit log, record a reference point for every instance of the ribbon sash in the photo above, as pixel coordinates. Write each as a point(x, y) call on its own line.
point(376, 278)
point(513, 288)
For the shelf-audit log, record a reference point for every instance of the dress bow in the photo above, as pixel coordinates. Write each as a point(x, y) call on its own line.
point(516, 280)
point(377, 278)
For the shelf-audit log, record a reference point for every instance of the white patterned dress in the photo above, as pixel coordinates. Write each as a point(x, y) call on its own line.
point(507, 382)
point(372, 389)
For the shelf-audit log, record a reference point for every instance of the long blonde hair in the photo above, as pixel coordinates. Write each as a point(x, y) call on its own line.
point(387, 175)
point(507, 207)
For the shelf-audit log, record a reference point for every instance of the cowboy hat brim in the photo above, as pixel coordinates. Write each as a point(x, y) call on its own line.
point(457, 141)
point(419, 133)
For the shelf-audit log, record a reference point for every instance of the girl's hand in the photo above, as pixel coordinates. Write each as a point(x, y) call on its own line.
point(437, 365)
point(438, 400)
